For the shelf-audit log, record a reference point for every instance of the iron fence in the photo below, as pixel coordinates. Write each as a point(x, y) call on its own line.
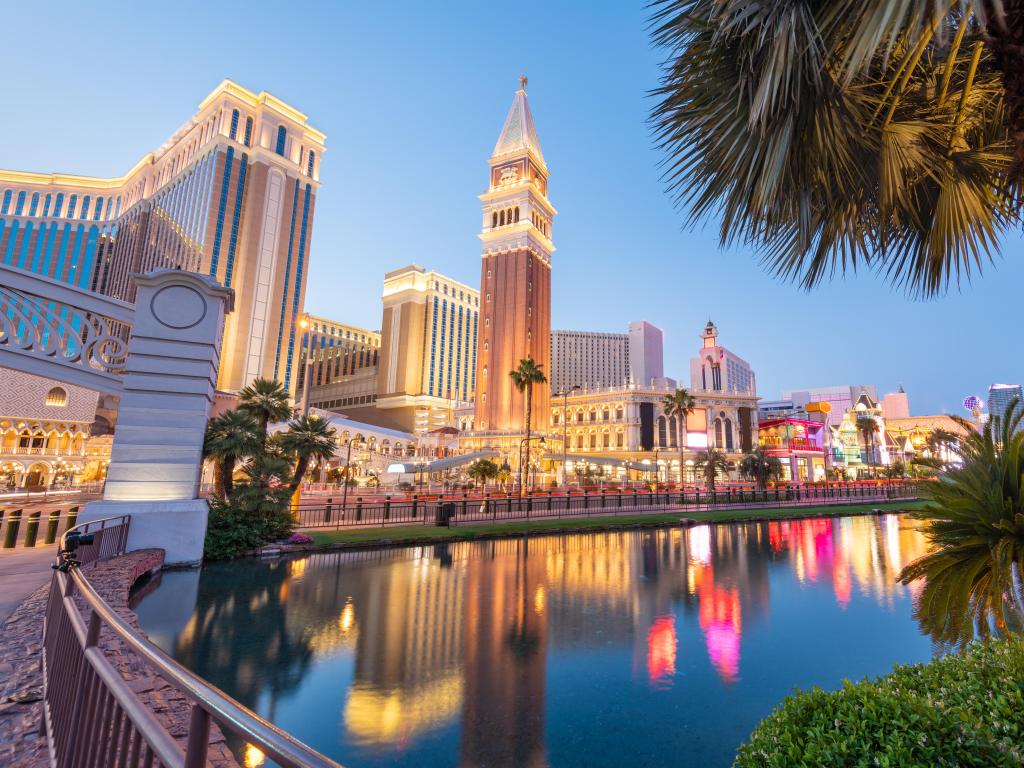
point(470, 508)
point(92, 715)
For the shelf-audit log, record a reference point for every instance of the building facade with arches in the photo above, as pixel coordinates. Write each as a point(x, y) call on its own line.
point(45, 433)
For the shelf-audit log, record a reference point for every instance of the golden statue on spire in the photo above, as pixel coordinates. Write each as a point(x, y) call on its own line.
point(522, 82)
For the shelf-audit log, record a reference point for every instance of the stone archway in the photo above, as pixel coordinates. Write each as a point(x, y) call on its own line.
point(37, 475)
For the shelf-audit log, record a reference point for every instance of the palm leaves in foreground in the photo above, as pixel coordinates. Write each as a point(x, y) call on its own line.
point(230, 438)
point(711, 463)
point(266, 401)
point(975, 521)
point(844, 134)
point(761, 467)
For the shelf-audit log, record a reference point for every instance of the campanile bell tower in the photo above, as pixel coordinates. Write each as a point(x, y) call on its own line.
point(515, 276)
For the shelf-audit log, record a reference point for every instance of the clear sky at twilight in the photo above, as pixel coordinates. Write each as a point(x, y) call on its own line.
point(412, 97)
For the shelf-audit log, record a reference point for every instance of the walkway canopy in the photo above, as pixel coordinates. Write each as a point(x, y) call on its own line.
point(607, 461)
point(441, 465)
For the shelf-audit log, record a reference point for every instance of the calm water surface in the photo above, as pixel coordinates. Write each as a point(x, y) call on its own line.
point(605, 649)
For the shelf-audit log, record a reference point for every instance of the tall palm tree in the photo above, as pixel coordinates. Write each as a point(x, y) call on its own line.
point(524, 376)
point(975, 523)
point(230, 437)
point(761, 467)
point(483, 470)
point(940, 442)
point(679, 405)
point(307, 438)
point(709, 463)
point(847, 134)
point(868, 428)
point(266, 401)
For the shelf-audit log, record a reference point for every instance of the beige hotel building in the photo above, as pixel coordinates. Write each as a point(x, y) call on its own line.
point(230, 194)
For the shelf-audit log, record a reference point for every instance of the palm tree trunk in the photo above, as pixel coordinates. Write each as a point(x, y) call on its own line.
point(227, 479)
point(523, 461)
point(300, 470)
point(681, 437)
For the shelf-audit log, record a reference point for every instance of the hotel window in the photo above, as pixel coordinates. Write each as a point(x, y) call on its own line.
point(85, 207)
point(20, 206)
point(309, 163)
point(34, 205)
point(58, 204)
point(72, 201)
point(248, 131)
point(233, 131)
point(99, 209)
point(7, 202)
point(46, 206)
point(494, 221)
point(281, 136)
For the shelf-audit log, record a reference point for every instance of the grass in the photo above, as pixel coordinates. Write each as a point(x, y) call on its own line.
point(474, 530)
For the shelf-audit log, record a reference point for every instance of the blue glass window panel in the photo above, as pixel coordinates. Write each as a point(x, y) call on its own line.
point(287, 273)
point(117, 208)
point(248, 131)
point(34, 205)
point(46, 205)
point(85, 207)
point(72, 201)
point(87, 261)
point(58, 204)
point(221, 206)
point(6, 205)
point(99, 209)
point(309, 165)
point(234, 125)
point(9, 252)
point(20, 206)
point(239, 195)
point(281, 136)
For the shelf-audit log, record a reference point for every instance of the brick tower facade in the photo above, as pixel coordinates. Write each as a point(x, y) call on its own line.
point(515, 276)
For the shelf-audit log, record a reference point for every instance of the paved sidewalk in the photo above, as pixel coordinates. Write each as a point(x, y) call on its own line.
point(22, 571)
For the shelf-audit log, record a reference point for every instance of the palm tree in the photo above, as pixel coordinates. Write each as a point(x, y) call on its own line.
point(846, 134)
point(868, 428)
point(483, 470)
point(679, 405)
point(266, 401)
point(524, 376)
point(940, 442)
point(709, 463)
point(230, 437)
point(504, 474)
point(761, 467)
point(973, 520)
point(307, 438)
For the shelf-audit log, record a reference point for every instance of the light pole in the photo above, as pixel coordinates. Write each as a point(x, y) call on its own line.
point(523, 442)
point(307, 369)
point(657, 468)
point(565, 423)
point(348, 463)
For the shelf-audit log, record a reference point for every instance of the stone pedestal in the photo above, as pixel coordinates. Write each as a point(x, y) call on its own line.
point(169, 382)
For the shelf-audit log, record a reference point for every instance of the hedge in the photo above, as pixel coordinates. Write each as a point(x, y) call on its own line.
point(960, 710)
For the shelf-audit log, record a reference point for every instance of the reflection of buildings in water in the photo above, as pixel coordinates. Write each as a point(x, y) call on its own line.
point(661, 651)
point(505, 655)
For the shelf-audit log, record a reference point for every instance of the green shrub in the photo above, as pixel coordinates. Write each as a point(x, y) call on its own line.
point(961, 710)
point(234, 527)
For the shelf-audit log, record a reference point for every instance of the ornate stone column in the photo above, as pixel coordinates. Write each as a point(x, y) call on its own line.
point(169, 382)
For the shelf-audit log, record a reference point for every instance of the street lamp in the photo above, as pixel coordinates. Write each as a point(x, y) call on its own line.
point(522, 443)
point(307, 369)
point(565, 423)
point(348, 463)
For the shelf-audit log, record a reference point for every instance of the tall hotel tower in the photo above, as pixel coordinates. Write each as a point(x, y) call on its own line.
point(230, 194)
point(515, 276)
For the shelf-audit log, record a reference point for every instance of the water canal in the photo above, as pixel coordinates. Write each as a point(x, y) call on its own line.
point(605, 649)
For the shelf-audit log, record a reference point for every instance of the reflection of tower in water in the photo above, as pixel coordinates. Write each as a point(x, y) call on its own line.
point(505, 650)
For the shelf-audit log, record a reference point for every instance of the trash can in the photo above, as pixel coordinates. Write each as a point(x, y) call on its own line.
point(444, 515)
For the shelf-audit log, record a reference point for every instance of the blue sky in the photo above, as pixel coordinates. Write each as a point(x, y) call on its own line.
point(412, 97)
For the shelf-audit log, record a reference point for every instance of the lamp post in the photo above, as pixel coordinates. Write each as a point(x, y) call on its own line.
point(522, 443)
point(565, 423)
point(657, 468)
point(348, 463)
point(307, 369)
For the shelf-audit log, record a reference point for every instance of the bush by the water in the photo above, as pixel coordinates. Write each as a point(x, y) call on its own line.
point(960, 710)
point(232, 529)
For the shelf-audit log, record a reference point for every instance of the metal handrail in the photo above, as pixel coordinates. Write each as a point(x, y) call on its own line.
point(208, 701)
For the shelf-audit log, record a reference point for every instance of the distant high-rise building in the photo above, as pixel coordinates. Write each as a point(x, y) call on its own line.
point(429, 334)
point(716, 369)
point(337, 351)
point(1000, 396)
point(588, 360)
point(646, 353)
point(515, 277)
point(841, 398)
point(230, 194)
point(896, 405)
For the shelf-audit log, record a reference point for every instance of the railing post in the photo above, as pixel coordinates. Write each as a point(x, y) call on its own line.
point(51, 527)
point(32, 529)
point(327, 511)
point(415, 506)
point(359, 508)
point(13, 524)
point(72, 520)
point(465, 503)
point(387, 508)
point(198, 737)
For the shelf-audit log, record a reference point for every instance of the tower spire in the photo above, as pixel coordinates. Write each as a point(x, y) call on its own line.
point(519, 134)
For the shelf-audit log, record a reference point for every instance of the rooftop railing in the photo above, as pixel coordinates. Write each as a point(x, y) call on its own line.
point(93, 717)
